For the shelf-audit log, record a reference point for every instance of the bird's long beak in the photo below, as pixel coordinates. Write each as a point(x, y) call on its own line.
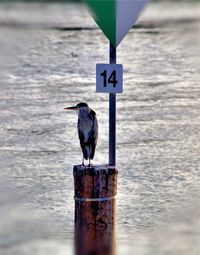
point(71, 108)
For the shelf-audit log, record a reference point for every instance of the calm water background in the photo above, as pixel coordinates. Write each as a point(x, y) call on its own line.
point(44, 68)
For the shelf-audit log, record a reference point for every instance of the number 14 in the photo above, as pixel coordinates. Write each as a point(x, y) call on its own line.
point(111, 80)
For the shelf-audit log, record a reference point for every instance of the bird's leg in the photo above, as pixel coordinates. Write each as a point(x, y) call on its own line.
point(89, 162)
point(83, 161)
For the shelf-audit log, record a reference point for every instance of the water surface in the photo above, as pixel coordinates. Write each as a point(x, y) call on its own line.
point(48, 57)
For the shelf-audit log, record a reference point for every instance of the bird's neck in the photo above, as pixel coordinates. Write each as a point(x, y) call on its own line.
point(84, 112)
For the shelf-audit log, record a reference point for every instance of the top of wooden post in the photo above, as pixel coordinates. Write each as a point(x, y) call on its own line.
point(80, 170)
point(95, 182)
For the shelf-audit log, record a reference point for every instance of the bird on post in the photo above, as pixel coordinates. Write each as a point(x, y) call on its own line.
point(87, 130)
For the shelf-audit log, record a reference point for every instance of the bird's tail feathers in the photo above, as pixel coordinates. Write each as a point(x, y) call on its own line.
point(88, 152)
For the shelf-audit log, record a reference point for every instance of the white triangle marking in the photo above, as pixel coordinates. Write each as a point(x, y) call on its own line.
point(128, 12)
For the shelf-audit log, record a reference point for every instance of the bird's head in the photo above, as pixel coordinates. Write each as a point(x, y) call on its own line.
point(81, 107)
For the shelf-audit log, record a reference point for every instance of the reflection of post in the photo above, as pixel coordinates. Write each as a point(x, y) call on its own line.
point(95, 205)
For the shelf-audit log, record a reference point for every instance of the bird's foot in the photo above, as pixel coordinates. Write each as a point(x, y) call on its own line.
point(90, 164)
point(83, 162)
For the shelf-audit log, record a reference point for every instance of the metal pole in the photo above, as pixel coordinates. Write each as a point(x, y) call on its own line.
point(112, 116)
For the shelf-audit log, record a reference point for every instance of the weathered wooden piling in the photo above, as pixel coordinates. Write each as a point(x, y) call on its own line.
point(95, 209)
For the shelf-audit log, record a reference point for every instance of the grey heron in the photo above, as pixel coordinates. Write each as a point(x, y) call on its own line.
point(87, 130)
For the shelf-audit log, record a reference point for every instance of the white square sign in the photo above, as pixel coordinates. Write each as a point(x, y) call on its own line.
point(109, 78)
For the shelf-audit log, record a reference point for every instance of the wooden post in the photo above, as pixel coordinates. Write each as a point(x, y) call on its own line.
point(95, 208)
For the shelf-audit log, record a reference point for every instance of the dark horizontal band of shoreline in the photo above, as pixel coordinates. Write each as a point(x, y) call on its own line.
point(144, 25)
